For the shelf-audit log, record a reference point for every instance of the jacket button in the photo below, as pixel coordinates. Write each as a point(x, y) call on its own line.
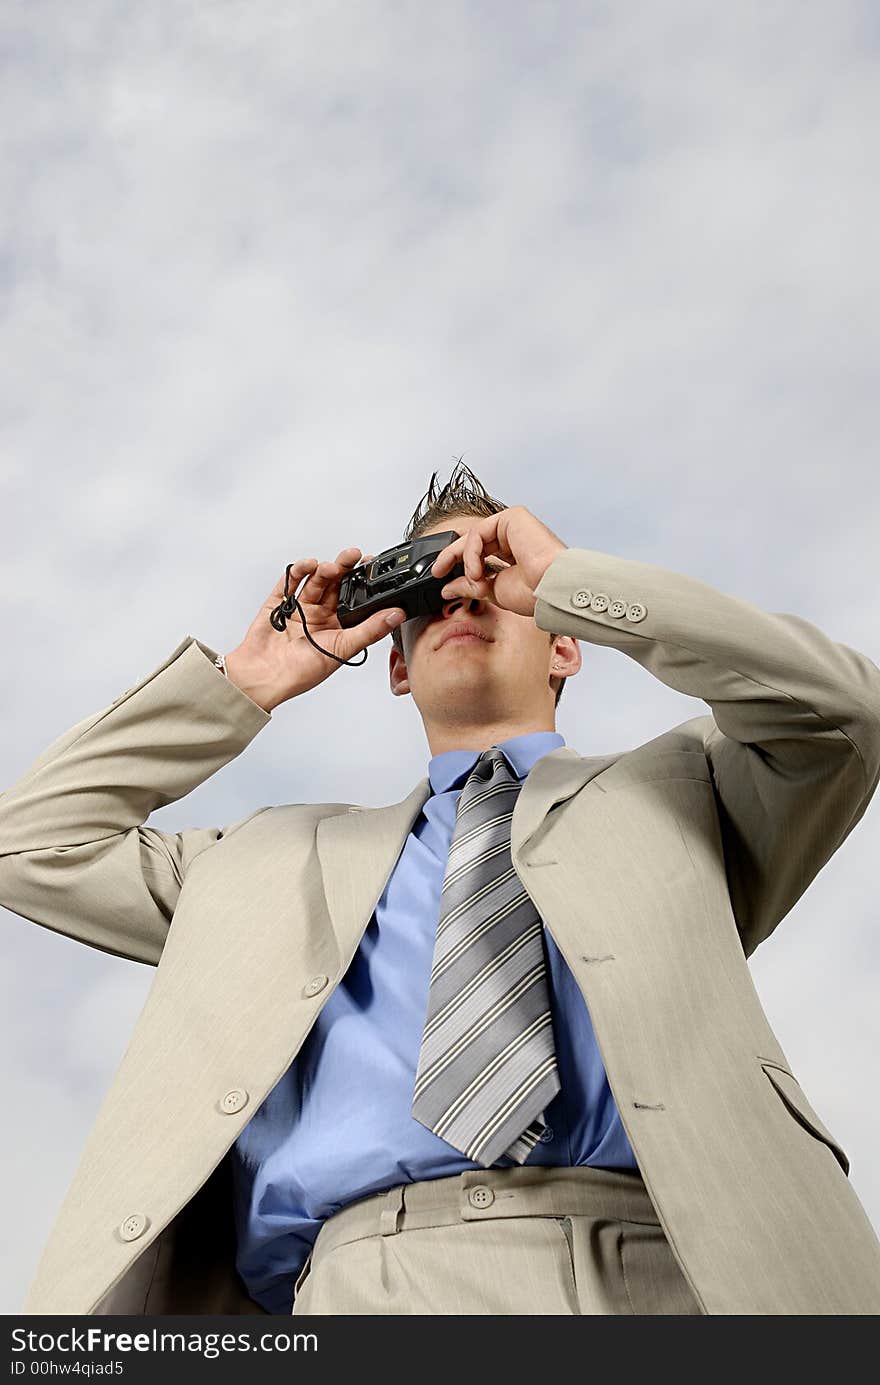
point(316, 985)
point(233, 1101)
point(481, 1196)
point(636, 611)
point(134, 1226)
point(617, 609)
point(582, 597)
point(599, 602)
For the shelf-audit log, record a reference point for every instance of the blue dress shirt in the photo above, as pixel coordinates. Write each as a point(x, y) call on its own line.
point(338, 1125)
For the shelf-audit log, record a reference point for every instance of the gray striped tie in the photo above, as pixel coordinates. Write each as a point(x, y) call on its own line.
point(487, 1065)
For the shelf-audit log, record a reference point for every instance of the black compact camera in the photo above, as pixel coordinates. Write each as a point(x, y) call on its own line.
point(400, 576)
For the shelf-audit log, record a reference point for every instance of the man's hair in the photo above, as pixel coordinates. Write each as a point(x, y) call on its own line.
point(463, 494)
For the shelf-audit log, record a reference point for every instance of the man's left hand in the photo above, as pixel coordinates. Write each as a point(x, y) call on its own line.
point(505, 556)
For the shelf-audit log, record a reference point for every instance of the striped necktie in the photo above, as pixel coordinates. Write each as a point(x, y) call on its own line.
point(487, 1064)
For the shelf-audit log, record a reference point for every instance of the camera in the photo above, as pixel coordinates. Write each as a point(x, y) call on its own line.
point(401, 577)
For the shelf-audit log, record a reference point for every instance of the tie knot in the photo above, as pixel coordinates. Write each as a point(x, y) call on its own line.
point(493, 758)
point(491, 764)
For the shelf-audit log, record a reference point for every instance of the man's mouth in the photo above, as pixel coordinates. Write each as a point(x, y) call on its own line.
point(463, 630)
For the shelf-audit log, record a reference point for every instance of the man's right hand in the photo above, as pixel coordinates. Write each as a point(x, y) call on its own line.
point(272, 666)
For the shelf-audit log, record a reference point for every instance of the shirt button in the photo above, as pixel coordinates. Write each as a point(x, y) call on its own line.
point(546, 1135)
point(316, 984)
point(481, 1196)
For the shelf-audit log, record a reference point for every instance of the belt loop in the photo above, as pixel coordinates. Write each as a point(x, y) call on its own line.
point(393, 1206)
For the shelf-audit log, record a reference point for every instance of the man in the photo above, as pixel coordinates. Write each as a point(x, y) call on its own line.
point(288, 1058)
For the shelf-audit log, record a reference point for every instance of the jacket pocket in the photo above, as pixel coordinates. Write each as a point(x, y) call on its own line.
point(793, 1095)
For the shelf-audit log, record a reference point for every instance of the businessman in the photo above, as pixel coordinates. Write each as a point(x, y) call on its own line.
point(495, 1048)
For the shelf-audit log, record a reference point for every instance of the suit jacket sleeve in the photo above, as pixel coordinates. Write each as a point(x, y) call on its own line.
point(793, 742)
point(73, 854)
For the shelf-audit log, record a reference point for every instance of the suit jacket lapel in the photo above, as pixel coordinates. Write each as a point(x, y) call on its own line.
point(551, 780)
point(358, 849)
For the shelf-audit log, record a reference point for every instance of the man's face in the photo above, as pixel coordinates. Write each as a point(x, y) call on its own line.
point(503, 671)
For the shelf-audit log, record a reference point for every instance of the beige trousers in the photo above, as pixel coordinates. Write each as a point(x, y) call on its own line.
point(522, 1240)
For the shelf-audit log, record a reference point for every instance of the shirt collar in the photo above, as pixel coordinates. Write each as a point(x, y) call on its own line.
point(450, 768)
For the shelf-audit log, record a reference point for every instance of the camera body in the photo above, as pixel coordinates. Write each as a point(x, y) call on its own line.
point(400, 576)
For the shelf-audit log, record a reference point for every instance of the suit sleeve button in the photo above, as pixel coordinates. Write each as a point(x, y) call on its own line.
point(316, 985)
point(583, 597)
point(636, 611)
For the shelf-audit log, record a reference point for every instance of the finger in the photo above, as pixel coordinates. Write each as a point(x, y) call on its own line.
point(467, 586)
point(314, 588)
point(482, 538)
point(480, 587)
point(447, 558)
point(473, 554)
point(298, 571)
point(322, 588)
point(345, 563)
point(370, 631)
point(485, 550)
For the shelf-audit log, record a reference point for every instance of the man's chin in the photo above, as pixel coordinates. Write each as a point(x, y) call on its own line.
point(457, 680)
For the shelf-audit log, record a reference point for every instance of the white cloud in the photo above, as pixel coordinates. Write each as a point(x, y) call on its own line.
point(265, 267)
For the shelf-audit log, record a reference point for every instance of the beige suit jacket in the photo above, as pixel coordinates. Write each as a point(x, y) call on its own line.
point(657, 871)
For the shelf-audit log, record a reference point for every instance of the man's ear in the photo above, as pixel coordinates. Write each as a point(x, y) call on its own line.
point(567, 653)
point(397, 673)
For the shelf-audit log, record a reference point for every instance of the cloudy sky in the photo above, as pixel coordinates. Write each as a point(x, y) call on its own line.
point(265, 266)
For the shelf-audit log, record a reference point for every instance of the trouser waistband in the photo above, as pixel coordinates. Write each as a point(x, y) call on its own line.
point(481, 1194)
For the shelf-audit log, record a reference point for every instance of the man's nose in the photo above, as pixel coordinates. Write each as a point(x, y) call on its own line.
point(468, 603)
